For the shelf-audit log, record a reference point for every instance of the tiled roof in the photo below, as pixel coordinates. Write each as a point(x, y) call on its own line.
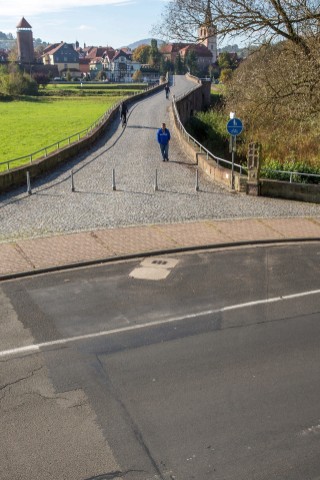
point(50, 47)
point(172, 47)
point(55, 48)
point(23, 23)
point(121, 53)
point(99, 51)
point(199, 49)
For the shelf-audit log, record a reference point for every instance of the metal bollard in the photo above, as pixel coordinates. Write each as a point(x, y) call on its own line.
point(72, 182)
point(29, 191)
point(156, 181)
point(197, 180)
point(113, 179)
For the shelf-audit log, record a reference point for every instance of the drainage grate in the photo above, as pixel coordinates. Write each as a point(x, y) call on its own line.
point(154, 269)
point(159, 262)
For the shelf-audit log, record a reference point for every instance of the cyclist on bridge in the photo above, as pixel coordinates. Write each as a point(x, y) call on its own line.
point(123, 113)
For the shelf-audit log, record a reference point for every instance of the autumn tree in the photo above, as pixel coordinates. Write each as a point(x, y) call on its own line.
point(141, 54)
point(260, 20)
point(276, 91)
point(225, 75)
point(137, 76)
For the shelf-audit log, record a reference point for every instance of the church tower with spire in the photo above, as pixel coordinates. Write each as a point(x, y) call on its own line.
point(25, 42)
point(207, 34)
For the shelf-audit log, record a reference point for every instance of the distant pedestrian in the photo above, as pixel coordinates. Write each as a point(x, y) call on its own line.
point(163, 137)
point(123, 113)
point(167, 90)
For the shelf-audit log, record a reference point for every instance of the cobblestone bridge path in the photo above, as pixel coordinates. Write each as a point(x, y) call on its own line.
point(134, 155)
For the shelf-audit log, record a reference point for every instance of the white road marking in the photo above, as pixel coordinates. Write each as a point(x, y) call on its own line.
point(130, 328)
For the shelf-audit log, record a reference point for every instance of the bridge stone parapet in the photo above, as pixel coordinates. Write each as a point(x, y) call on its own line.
point(196, 100)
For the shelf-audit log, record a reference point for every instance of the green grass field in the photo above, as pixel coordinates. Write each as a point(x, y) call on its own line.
point(33, 123)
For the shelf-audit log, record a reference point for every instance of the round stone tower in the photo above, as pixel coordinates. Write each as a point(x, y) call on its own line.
point(25, 42)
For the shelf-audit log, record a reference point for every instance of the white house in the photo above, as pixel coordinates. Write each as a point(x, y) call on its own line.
point(121, 67)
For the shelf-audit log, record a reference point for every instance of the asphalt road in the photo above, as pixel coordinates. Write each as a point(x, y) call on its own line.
point(202, 365)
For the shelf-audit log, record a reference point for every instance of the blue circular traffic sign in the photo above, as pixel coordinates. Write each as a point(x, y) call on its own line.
point(234, 126)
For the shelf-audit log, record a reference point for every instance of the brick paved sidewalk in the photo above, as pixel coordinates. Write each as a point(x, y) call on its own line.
point(31, 255)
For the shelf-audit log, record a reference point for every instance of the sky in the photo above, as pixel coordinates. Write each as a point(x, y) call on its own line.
point(114, 23)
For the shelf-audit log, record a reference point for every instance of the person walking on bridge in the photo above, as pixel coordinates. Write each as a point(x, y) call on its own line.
point(167, 90)
point(123, 113)
point(163, 137)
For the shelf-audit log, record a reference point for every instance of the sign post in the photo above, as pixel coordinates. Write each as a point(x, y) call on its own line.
point(234, 128)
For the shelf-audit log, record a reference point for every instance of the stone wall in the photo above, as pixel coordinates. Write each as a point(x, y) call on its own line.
point(194, 101)
point(197, 100)
point(290, 191)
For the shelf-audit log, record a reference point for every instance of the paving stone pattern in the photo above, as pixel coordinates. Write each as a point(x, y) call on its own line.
point(134, 155)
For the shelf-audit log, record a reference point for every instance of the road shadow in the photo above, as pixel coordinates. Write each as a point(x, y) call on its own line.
point(143, 126)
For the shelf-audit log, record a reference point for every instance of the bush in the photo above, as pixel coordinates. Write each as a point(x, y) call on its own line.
point(276, 170)
point(17, 83)
point(209, 128)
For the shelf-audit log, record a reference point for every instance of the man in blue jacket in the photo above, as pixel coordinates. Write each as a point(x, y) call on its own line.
point(163, 137)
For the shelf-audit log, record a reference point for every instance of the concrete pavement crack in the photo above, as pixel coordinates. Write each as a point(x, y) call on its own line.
point(115, 474)
point(135, 429)
point(10, 384)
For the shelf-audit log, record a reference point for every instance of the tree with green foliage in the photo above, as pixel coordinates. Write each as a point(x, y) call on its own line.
point(155, 55)
point(14, 82)
point(41, 78)
point(191, 62)
point(213, 72)
point(179, 66)
point(165, 65)
point(224, 60)
point(225, 75)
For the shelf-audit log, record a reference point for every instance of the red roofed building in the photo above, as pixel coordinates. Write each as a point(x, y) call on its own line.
point(203, 54)
point(94, 52)
point(205, 49)
point(171, 50)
